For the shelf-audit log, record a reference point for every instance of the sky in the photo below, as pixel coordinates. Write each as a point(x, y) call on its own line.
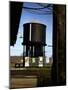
point(29, 16)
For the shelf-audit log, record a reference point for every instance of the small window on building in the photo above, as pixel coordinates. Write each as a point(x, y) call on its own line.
point(26, 61)
point(33, 60)
point(40, 61)
point(47, 60)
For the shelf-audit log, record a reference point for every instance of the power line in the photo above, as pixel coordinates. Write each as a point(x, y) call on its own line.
point(43, 10)
point(36, 8)
point(39, 13)
point(44, 6)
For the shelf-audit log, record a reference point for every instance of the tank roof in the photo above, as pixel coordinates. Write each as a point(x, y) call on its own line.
point(34, 23)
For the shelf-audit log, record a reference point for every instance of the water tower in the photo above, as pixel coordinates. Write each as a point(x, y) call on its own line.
point(34, 40)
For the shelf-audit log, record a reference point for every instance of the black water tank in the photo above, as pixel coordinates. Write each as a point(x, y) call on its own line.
point(34, 32)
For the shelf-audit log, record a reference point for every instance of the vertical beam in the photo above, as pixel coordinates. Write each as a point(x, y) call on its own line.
point(30, 33)
point(15, 14)
point(59, 46)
